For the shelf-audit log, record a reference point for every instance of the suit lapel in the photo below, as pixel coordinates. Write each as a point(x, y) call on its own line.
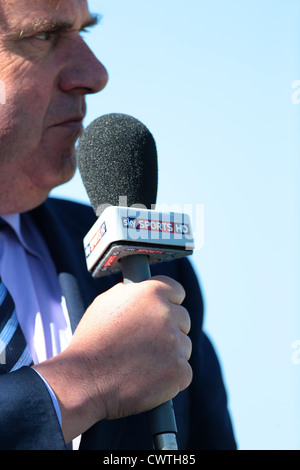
point(69, 275)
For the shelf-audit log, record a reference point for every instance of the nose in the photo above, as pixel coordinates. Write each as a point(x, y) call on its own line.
point(82, 71)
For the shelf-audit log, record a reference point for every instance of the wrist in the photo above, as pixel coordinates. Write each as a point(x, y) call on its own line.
point(74, 391)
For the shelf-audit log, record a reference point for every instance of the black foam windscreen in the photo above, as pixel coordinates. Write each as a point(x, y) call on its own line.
point(117, 160)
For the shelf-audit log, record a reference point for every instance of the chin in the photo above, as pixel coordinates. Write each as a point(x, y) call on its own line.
point(55, 172)
point(66, 173)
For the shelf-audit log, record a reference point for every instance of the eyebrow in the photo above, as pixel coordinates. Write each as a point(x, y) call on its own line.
point(55, 25)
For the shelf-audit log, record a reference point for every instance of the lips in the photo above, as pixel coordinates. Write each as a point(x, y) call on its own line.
point(69, 121)
point(72, 125)
point(67, 114)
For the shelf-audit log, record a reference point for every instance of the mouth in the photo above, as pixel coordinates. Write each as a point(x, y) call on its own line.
point(76, 121)
point(73, 125)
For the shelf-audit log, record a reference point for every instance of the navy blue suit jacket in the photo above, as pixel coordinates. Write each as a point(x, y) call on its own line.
point(27, 416)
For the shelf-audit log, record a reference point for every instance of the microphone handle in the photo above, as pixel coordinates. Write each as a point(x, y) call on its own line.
point(162, 422)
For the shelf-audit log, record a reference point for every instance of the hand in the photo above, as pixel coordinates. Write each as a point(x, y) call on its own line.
point(129, 354)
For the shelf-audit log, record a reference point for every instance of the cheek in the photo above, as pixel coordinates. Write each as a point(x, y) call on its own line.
point(52, 161)
point(44, 154)
point(21, 120)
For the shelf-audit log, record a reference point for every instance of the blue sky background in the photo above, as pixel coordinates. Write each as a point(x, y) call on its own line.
point(213, 81)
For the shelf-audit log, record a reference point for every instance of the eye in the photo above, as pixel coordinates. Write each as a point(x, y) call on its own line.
point(45, 36)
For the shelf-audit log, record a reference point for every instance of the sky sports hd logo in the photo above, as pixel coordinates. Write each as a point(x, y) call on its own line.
point(176, 228)
point(95, 240)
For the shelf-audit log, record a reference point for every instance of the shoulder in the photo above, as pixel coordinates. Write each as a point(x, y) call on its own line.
point(73, 209)
point(73, 216)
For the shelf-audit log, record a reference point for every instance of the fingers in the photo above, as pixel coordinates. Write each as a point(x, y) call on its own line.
point(174, 291)
point(185, 345)
point(183, 319)
point(175, 294)
point(171, 292)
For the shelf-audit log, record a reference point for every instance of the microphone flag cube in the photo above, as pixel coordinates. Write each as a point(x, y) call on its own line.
point(125, 231)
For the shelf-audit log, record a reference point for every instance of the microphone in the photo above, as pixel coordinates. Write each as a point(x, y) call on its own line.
point(117, 160)
point(117, 157)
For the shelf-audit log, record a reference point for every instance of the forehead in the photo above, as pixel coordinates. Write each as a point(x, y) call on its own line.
point(15, 12)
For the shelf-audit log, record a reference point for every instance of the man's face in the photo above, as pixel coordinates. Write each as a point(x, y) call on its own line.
point(47, 69)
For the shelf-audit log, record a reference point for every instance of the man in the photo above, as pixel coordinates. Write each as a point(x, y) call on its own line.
point(93, 376)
